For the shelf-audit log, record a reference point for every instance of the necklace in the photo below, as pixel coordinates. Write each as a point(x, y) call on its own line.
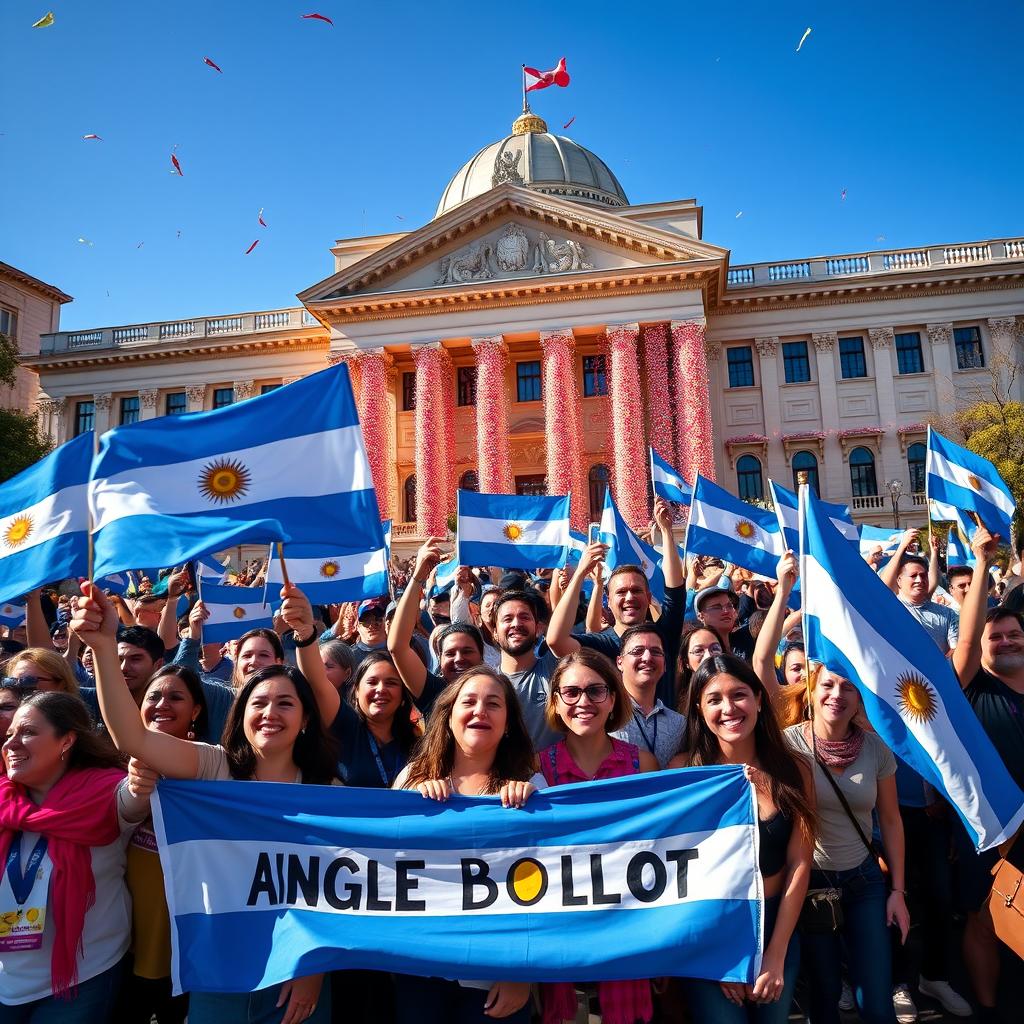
point(482, 791)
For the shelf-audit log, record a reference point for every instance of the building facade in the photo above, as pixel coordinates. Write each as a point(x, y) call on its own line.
point(541, 331)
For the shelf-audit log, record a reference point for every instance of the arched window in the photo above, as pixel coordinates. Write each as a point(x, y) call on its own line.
point(749, 484)
point(410, 499)
point(915, 462)
point(469, 481)
point(598, 478)
point(805, 462)
point(862, 473)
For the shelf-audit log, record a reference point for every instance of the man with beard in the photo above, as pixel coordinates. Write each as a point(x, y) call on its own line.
point(989, 662)
point(515, 630)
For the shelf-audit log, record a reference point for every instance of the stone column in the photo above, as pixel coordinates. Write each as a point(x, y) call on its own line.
point(694, 430)
point(101, 403)
point(829, 477)
point(147, 403)
point(60, 430)
point(661, 429)
point(374, 364)
point(629, 474)
point(768, 369)
point(941, 338)
point(433, 456)
point(883, 344)
point(244, 389)
point(1005, 362)
point(195, 395)
point(564, 435)
point(493, 455)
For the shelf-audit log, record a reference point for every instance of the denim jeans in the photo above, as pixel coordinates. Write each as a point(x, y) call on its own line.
point(708, 1004)
point(93, 1003)
point(439, 1001)
point(251, 1007)
point(866, 940)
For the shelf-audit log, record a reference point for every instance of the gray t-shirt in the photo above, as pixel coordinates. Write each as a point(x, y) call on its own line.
point(942, 623)
point(533, 686)
point(838, 847)
point(659, 733)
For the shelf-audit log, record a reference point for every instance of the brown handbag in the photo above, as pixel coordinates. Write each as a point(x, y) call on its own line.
point(1006, 901)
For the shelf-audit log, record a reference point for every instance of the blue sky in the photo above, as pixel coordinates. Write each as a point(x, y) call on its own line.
point(335, 132)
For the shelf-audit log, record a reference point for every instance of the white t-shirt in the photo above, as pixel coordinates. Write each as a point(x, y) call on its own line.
point(25, 975)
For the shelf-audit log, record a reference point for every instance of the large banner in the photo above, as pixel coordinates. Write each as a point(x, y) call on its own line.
point(625, 878)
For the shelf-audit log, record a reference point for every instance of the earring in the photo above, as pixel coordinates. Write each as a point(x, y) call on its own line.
point(191, 734)
point(63, 753)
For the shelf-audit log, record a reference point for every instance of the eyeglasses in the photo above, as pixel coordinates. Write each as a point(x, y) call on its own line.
point(25, 682)
point(716, 607)
point(639, 652)
point(710, 649)
point(597, 693)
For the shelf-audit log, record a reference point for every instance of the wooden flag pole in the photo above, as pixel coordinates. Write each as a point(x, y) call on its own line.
point(284, 568)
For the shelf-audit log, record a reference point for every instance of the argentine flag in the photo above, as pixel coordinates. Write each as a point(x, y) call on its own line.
point(44, 520)
point(328, 574)
point(725, 527)
point(12, 614)
point(875, 536)
point(233, 611)
point(669, 484)
point(859, 629)
point(958, 478)
point(626, 548)
point(957, 552)
point(208, 568)
point(575, 548)
point(287, 466)
point(514, 531)
point(787, 511)
point(386, 526)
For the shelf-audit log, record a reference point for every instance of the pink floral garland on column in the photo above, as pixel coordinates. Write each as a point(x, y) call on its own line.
point(373, 414)
point(694, 431)
point(656, 379)
point(433, 456)
point(562, 421)
point(630, 474)
point(494, 458)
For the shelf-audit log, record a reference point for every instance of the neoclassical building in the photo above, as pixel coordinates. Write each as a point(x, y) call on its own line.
point(542, 330)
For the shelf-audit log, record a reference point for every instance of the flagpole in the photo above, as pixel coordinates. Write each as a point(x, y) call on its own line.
point(927, 500)
point(90, 547)
point(284, 568)
point(802, 487)
point(526, 108)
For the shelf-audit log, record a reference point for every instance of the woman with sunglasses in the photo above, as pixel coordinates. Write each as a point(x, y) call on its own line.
point(36, 668)
point(588, 702)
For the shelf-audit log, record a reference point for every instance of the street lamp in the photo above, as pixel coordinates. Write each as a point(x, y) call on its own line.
point(895, 492)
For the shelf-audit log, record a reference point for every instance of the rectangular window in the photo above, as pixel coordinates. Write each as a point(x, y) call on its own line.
point(794, 358)
point(265, 389)
point(595, 376)
point(9, 323)
point(528, 382)
point(177, 403)
point(129, 410)
point(741, 366)
point(408, 391)
point(908, 353)
point(968, 348)
point(223, 397)
point(851, 358)
point(85, 417)
point(467, 385)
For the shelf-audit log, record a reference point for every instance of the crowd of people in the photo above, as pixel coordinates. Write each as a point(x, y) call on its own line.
point(502, 683)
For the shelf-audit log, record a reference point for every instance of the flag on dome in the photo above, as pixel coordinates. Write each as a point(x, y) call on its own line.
point(858, 628)
point(963, 480)
point(233, 611)
point(626, 548)
point(726, 527)
point(330, 574)
point(542, 79)
point(514, 531)
point(44, 520)
point(12, 614)
point(287, 466)
point(667, 483)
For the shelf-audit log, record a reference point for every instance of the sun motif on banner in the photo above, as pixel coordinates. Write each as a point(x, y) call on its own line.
point(18, 531)
point(915, 697)
point(239, 613)
point(974, 482)
point(330, 569)
point(745, 529)
point(224, 480)
point(513, 531)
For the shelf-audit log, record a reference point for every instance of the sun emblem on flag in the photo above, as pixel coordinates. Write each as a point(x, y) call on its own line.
point(330, 569)
point(915, 697)
point(18, 531)
point(239, 613)
point(745, 529)
point(974, 482)
point(513, 531)
point(224, 480)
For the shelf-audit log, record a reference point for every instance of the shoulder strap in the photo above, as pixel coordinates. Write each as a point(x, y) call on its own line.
point(842, 797)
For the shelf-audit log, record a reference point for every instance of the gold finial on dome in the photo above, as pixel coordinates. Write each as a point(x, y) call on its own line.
point(528, 122)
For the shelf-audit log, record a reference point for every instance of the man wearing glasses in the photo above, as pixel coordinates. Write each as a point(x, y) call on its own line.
point(720, 609)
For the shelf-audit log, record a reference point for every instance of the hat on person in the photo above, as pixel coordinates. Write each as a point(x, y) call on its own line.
point(512, 581)
point(709, 591)
point(391, 609)
point(377, 604)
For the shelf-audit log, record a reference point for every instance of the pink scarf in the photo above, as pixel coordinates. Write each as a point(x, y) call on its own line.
point(840, 754)
point(79, 812)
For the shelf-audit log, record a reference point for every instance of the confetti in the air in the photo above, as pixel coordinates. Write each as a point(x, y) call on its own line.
point(259, 217)
point(880, 238)
point(209, 63)
point(803, 39)
point(399, 216)
point(85, 241)
point(738, 215)
point(319, 17)
point(140, 245)
point(179, 233)
point(569, 122)
point(177, 167)
point(98, 138)
point(45, 21)
point(251, 247)
point(842, 195)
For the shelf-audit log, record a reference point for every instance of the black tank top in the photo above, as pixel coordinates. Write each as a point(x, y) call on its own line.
point(774, 833)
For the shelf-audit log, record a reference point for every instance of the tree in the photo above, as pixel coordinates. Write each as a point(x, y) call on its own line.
point(23, 444)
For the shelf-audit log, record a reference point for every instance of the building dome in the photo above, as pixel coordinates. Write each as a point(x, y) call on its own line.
point(532, 157)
